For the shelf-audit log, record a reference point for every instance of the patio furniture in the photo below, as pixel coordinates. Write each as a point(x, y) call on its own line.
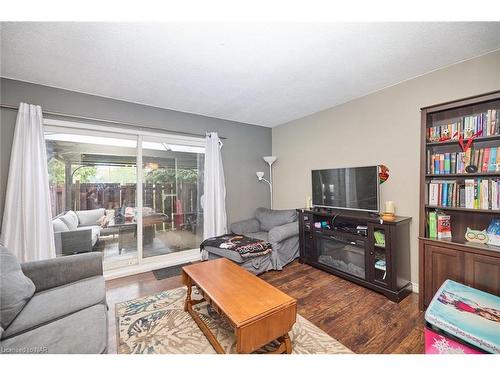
point(279, 227)
point(53, 306)
point(127, 231)
point(77, 231)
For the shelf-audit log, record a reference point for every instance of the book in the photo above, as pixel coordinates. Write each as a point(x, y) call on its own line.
point(443, 226)
point(469, 193)
point(447, 163)
point(486, 160)
point(494, 196)
point(484, 195)
point(497, 166)
point(444, 199)
point(432, 225)
point(436, 164)
point(493, 160)
point(461, 199)
point(453, 162)
point(433, 194)
point(429, 162)
point(467, 159)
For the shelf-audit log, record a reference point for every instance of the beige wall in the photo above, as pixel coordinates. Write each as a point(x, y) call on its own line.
point(380, 128)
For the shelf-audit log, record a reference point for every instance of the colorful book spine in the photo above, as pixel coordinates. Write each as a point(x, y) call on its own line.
point(493, 160)
point(447, 163)
point(486, 160)
point(432, 225)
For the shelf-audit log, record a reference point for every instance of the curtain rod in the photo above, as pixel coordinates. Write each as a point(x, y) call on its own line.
point(150, 128)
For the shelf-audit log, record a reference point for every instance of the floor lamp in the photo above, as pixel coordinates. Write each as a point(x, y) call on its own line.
point(260, 175)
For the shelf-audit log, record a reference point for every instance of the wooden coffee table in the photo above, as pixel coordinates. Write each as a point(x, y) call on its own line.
point(258, 312)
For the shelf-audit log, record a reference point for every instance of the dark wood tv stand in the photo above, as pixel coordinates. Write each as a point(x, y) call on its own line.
point(358, 256)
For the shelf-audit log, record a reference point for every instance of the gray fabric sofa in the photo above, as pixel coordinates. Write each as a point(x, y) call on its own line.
point(279, 227)
point(53, 306)
point(77, 231)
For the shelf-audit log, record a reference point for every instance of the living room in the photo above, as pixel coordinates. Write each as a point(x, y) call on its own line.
point(237, 187)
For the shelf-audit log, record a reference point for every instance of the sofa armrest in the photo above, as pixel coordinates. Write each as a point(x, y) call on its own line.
point(283, 232)
point(245, 226)
point(73, 241)
point(50, 273)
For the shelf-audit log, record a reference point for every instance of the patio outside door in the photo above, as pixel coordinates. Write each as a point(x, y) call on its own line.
point(97, 205)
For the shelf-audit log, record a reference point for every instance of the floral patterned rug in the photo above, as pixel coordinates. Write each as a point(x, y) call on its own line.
point(157, 324)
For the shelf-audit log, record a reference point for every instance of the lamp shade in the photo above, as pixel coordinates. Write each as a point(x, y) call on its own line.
point(260, 175)
point(270, 159)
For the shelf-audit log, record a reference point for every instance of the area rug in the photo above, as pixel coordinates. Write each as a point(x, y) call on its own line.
point(165, 273)
point(157, 324)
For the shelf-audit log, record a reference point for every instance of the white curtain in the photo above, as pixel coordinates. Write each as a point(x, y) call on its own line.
point(27, 226)
point(214, 200)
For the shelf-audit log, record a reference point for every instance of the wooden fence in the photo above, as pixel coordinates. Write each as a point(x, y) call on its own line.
point(161, 198)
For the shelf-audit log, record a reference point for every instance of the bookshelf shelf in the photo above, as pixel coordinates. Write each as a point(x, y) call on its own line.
point(462, 209)
point(453, 142)
point(473, 264)
point(464, 175)
point(484, 248)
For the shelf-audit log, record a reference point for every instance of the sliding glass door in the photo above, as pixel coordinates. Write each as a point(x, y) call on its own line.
point(97, 204)
point(172, 186)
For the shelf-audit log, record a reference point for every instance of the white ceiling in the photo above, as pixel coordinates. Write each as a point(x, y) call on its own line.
point(258, 73)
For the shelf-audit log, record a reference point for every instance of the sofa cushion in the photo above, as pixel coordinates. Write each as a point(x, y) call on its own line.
point(258, 235)
point(282, 232)
point(59, 225)
point(90, 217)
point(55, 303)
point(245, 226)
point(15, 288)
point(84, 332)
point(70, 219)
point(269, 219)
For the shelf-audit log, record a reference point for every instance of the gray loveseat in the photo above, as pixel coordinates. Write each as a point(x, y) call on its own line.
point(53, 306)
point(279, 227)
point(77, 231)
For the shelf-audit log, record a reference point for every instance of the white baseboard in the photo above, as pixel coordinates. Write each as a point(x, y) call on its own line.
point(414, 287)
point(150, 266)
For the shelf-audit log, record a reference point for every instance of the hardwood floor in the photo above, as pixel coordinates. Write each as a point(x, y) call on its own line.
point(362, 320)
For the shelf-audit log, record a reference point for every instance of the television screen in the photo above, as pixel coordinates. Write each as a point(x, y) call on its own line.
point(348, 188)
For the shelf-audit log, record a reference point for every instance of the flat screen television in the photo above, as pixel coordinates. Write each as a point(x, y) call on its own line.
point(347, 188)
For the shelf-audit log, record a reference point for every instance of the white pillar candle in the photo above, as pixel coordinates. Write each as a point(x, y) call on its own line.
point(308, 202)
point(389, 207)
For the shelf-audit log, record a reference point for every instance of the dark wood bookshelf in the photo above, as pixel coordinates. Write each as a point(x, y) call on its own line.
point(473, 264)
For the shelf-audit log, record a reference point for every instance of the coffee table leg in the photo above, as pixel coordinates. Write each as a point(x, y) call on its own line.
point(284, 347)
point(188, 295)
point(288, 343)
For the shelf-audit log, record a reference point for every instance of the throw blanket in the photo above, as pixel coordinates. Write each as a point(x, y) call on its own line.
point(247, 247)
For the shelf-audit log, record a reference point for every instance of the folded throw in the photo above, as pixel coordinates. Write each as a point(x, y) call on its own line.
point(247, 247)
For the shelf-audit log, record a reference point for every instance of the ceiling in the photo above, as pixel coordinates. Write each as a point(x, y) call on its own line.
point(258, 73)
